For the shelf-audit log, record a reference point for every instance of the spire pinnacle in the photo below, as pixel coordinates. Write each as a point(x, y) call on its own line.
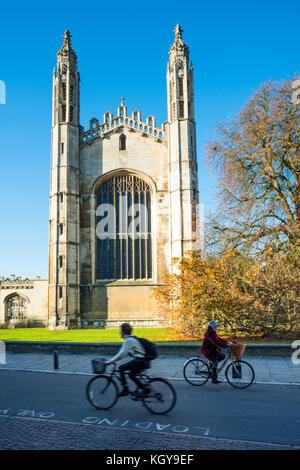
point(178, 33)
point(67, 39)
point(179, 46)
point(67, 52)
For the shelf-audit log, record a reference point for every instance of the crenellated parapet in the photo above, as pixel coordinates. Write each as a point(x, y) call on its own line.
point(113, 124)
point(16, 283)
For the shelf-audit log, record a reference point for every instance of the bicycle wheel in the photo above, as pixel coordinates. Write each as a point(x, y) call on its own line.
point(196, 371)
point(160, 397)
point(102, 392)
point(240, 374)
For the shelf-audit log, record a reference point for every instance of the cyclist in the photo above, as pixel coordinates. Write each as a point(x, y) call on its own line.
point(132, 347)
point(211, 348)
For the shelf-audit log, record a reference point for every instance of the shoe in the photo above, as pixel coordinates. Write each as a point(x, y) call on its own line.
point(124, 392)
point(214, 377)
point(140, 393)
point(146, 390)
point(136, 395)
point(216, 381)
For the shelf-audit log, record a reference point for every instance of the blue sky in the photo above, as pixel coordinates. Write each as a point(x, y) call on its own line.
point(122, 49)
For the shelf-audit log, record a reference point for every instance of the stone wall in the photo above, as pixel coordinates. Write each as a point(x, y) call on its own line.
point(164, 349)
point(34, 293)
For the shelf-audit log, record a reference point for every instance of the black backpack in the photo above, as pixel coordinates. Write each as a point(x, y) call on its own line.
point(150, 348)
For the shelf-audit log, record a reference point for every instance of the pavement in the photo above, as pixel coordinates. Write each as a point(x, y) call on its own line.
point(35, 434)
point(268, 370)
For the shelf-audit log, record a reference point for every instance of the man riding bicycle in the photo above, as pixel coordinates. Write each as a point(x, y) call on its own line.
point(211, 348)
point(133, 347)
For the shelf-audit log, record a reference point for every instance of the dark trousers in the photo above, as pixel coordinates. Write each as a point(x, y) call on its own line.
point(134, 367)
point(221, 356)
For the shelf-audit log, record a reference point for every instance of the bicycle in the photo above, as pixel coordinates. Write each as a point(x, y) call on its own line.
point(239, 373)
point(102, 390)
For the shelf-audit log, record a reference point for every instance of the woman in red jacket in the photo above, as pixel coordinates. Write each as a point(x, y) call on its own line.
point(211, 348)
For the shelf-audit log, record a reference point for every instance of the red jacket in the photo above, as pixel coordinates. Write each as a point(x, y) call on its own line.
point(211, 344)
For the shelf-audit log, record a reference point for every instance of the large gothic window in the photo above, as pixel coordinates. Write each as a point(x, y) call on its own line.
point(124, 242)
point(16, 308)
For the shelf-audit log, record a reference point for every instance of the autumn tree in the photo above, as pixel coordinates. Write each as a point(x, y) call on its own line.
point(256, 159)
point(254, 295)
point(250, 278)
point(274, 284)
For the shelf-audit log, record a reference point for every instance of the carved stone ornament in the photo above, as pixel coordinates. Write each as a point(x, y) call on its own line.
point(67, 54)
point(178, 46)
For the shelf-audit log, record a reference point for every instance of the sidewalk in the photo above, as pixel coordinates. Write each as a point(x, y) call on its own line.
point(267, 370)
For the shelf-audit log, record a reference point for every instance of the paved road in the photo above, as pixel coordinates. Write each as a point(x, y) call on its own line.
point(262, 413)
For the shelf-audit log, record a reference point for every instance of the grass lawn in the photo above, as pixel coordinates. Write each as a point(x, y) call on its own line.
point(157, 335)
point(84, 336)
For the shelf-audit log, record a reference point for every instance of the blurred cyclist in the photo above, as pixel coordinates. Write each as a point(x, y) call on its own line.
point(211, 348)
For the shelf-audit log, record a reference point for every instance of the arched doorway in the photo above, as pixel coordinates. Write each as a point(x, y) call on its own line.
point(16, 309)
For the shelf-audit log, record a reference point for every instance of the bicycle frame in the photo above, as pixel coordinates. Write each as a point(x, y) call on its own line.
point(225, 362)
point(116, 373)
point(230, 356)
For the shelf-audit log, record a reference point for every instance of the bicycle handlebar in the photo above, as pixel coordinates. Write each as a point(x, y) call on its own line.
point(114, 366)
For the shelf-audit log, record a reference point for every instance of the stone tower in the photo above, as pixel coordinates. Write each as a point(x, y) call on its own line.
point(183, 180)
point(64, 191)
point(296, 91)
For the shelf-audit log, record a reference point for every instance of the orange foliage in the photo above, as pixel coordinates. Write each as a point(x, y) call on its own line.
point(259, 296)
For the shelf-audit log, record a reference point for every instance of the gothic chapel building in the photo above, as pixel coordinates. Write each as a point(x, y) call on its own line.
point(123, 201)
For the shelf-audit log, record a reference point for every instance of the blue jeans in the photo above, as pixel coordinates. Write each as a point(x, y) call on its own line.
point(221, 356)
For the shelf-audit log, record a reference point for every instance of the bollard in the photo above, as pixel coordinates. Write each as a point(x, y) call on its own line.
point(55, 357)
